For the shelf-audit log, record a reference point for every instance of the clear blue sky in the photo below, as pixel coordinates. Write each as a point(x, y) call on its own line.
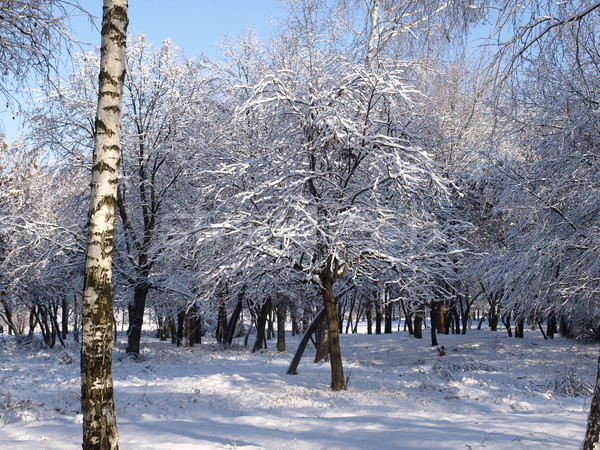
point(194, 25)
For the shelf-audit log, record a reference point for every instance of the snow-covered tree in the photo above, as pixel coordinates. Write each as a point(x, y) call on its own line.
point(332, 184)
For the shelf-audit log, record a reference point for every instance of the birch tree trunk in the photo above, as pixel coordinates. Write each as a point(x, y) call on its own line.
point(98, 408)
point(592, 435)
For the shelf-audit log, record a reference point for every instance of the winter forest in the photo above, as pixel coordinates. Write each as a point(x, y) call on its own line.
point(377, 228)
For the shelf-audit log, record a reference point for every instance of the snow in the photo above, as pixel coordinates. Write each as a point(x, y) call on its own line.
point(489, 390)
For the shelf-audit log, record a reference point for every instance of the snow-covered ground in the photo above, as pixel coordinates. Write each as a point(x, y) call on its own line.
point(488, 391)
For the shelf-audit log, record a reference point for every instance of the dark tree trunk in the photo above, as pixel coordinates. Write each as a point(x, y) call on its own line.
point(65, 318)
point(270, 326)
point(551, 326)
point(338, 382)
point(434, 323)
point(197, 334)
point(407, 319)
point(506, 322)
point(465, 312)
point(311, 329)
point(388, 318)
point(349, 321)
point(456, 320)
point(281, 315)
point(519, 327)
point(261, 324)
point(180, 325)
point(233, 320)
point(189, 328)
point(221, 331)
point(369, 315)
point(295, 324)
point(136, 320)
point(418, 328)
point(173, 330)
point(378, 315)
point(322, 342)
point(493, 318)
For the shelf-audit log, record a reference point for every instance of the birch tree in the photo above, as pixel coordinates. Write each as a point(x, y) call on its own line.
point(99, 417)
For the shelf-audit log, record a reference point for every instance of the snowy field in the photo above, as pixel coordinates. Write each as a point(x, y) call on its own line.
point(489, 391)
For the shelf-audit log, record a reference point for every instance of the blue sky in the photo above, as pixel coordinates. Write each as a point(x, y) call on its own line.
point(194, 25)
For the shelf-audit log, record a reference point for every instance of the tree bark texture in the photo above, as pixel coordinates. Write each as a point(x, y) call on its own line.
point(136, 320)
point(338, 383)
point(281, 315)
point(592, 434)
point(97, 402)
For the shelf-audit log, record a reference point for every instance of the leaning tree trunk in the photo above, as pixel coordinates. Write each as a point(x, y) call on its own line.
point(97, 402)
point(592, 435)
point(338, 383)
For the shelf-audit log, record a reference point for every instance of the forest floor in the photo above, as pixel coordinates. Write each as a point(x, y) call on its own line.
point(489, 391)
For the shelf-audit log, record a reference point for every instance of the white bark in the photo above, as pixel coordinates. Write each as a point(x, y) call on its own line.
point(99, 419)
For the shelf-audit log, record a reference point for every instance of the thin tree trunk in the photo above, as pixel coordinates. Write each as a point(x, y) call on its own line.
point(233, 320)
point(97, 401)
point(65, 318)
point(434, 323)
point(311, 329)
point(407, 318)
point(261, 324)
point(75, 319)
point(378, 315)
point(369, 315)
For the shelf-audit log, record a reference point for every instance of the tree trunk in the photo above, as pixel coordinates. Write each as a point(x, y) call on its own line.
point(338, 382)
point(378, 315)
point(322, 342)
point(388, 318)
point(180, 325)
point(261, 324)
point(434, 323)
point(493, 318)
point(311, 329)
point(369, 315)
point(233, 320)
point(407, 318)
point(592, 434)
point(270, 326)
point(65, 318)
point(551, 326)
point(281, 314)
point(97, 401)
point(506, 322)
point(189, 328)
point(418, 328)
point(136, 319)
point(519, 327)
point(173, 330)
